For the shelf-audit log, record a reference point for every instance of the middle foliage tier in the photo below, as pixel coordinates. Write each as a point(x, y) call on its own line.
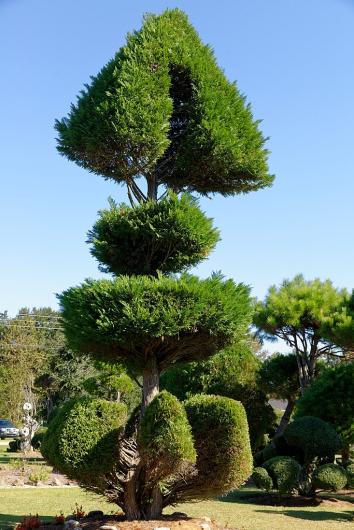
point(167, 236)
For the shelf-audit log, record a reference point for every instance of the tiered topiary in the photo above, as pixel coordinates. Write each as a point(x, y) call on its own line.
point(304, 461)
point(163, 111)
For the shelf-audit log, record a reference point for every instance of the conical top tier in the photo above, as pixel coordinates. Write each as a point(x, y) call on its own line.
point(164, 110)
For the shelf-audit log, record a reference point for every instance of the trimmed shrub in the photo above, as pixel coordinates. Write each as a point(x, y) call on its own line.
point(330, 477)
point(314, 437)
point(169, 236)
point(262, 479)
point(165, 437)
point(284, 471)
point(350, 475)
point(82, 440)
point(220, 431)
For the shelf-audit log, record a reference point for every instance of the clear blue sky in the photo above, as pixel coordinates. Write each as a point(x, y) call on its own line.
point(294, 59)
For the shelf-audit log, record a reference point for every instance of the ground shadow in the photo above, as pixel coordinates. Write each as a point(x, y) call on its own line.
point(319, 515)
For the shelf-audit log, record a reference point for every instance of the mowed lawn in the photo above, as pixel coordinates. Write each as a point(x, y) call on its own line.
point(234, 511)
point(237, 514)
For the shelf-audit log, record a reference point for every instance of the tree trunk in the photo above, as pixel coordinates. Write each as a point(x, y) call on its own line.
point(151, 378)
point(152, 188)
point(155, 509)
point(345, 454)
point(131, 508)
point(285, 418)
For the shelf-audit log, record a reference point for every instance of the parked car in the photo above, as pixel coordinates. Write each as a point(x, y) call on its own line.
point(8, 430)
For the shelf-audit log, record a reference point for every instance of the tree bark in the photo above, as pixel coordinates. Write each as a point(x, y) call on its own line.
point(152, 188)
point(156, 506)
point(151, 377)
point(285, 418)
point(345, 454)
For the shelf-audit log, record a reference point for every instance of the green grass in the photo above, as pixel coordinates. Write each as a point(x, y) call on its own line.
point(234, 511)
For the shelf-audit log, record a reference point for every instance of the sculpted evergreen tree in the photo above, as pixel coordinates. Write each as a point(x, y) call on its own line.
point(163, 113)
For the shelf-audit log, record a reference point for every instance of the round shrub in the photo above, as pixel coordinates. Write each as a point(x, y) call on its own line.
point(314, 437)
point(284, 471)
point(330, 477)
point(262, 479)
point(220, 431)
point(165, 437)
point(169, 236)
point(82, 439)
point(350, 475)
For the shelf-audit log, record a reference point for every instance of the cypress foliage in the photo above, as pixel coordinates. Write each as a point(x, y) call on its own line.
point(162, 111)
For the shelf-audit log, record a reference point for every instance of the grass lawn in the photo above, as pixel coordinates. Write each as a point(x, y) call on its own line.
point(234, 510)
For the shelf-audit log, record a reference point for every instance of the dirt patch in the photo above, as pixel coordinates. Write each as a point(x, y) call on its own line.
point(26, 470)
point(173, 522)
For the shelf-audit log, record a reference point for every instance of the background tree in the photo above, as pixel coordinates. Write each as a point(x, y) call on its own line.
point(278, 376)
point(303, 313)
point(163, 111)
point(331, 398)
point(231, 373)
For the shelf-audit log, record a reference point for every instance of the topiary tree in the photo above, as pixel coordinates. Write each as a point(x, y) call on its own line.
point(278, 377)
point(331, 398)
point(163, 111)
point(302, 454)
point(306, 315)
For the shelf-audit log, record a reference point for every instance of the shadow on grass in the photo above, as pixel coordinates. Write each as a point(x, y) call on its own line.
point(8, 521)
point(319, 515)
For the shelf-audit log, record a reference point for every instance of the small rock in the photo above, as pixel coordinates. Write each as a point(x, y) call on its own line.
point(162, 528)
point(71, 523)
point(205, 526)
point(206, 520)
point(109, 527)
point(95, 513)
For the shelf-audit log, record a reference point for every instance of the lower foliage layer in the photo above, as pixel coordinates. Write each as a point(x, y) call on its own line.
point(175, 453)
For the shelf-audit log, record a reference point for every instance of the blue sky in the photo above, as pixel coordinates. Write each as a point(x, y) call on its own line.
point(294, 61)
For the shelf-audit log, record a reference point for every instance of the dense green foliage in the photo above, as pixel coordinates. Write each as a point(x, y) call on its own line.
point(231, 373)
point(330, 477)
point(224, 459)
point(284, 471)
point(279, 378)
point(82, 438)
point(331, 398)
point(167, 236)
point(350, 475)
point(163, 107)
point(314, 437)
point(261, 479)
point(180, 320)
point(165, 436)
point(305, 315)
